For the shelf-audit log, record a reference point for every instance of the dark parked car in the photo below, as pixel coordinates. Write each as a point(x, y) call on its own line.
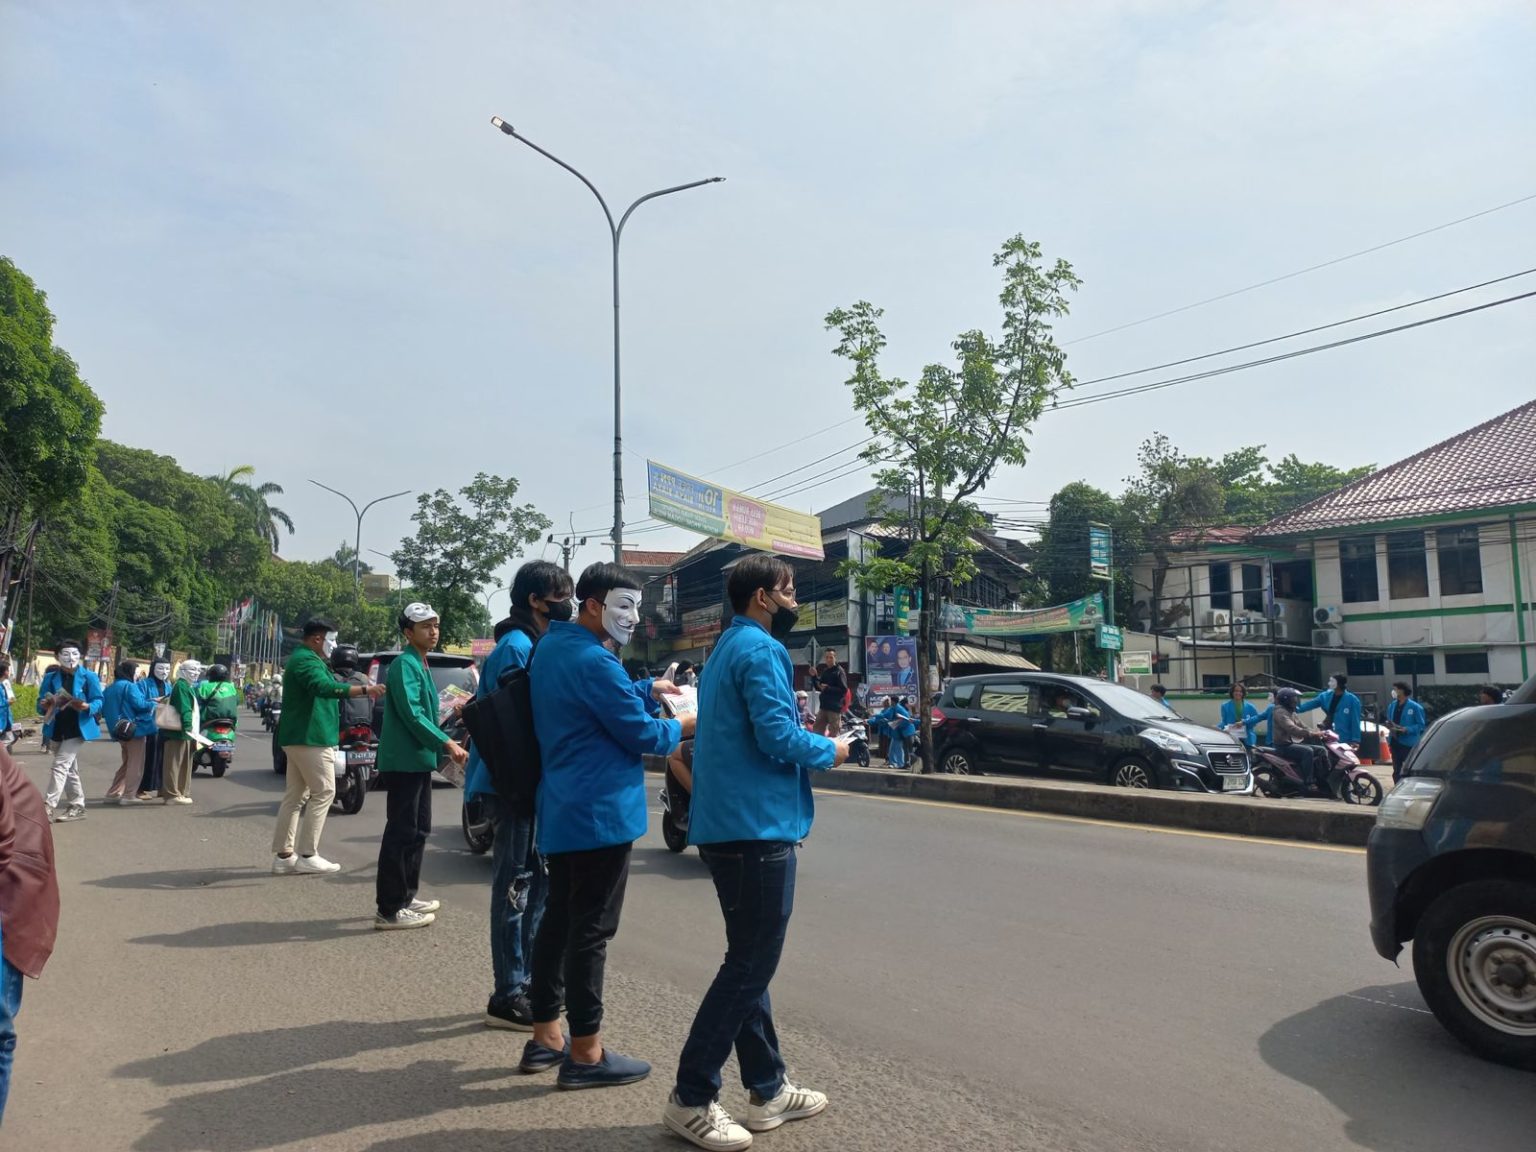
point(445, 669)
point(1452, 867)
point(1029, 721)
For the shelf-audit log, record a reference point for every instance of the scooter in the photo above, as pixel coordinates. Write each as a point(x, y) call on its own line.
point(220, 754)
point(359, 751)
point(1276, 777)
point(858, 739)
point(675, 802)
point(1358, 785)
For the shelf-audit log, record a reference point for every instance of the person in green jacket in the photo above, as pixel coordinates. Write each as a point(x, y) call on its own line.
point(176, 776)
point(409, 746)
point(308, 732)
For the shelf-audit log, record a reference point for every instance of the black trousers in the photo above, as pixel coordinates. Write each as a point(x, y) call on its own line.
point(581, 914)
point(407, 822)
point(154, 762)
point(1399, 754)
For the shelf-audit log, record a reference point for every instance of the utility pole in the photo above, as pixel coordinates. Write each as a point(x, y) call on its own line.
point(568, 545)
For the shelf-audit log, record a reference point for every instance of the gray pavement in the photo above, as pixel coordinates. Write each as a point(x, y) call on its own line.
point(955, 978)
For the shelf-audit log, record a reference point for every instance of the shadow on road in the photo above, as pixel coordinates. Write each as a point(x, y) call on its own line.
point(245, 1054)
point(533, 1140)
point(177, 879)
point(650, 860)
point(310, 1104)
point(254, 808)
point(261, 932)
point(1400, 1080)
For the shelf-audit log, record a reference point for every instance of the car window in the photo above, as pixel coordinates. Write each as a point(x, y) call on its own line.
point(456, 675)
point(1009, 698)
point(965, 695)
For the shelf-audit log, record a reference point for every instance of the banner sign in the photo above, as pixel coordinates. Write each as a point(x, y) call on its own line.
point(480, 649)
point(712, 510)
point(1083, 615)
point(831, 613)
point(806, 621)
point(1110, 638)
point(1136, 663)
point(701, 621)
point(1098, 551)
point(890, 665)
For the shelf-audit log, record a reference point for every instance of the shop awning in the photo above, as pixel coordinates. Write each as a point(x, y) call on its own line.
point(991, 657)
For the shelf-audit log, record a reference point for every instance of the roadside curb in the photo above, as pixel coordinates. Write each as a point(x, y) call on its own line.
point(1320, 822)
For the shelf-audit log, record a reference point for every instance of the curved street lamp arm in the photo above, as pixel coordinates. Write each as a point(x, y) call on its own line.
point(508, 129)
point(343, 495)
point(381, 499)
point(628, 212)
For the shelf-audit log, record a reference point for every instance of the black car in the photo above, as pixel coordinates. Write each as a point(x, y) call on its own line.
point(1033, 721)
point(1452, 867)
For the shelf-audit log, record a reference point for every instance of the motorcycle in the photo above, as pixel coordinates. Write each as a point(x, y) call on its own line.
point(220, 754)
point(1276, 777)
point(358, 751)
point(675, 801)
point(858, 739)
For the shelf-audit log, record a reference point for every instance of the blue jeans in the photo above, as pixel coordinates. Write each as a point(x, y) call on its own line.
point(755, 881)
point(518, 888)
point(10, 1004)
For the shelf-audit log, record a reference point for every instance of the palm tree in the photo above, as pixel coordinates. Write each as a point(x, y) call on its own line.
point(253, 499)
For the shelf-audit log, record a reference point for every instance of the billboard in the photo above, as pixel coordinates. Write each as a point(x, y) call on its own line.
point(725, 514)
point(890, 665)
point(1077, 616)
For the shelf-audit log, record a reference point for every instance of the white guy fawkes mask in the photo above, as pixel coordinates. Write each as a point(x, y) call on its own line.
point(69, 659)
point(160, 670)
point(1333, 685)
point(329, 645)
point(621, 614)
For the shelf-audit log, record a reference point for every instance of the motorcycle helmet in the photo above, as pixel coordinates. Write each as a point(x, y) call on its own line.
point(1288, 698)
point(218, 674)
point(344, 658)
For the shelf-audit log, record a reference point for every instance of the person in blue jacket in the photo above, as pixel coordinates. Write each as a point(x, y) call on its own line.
point(157, 688)
point(896, 722)
point(71, 697)
point(752, 804)
point(1405, 722)
point(1341, 707)
point(126, 709)
point(593, 725)
point(1237, 710)
point(541, 593)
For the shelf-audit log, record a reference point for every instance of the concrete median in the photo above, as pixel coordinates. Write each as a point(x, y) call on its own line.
point(1319, 821)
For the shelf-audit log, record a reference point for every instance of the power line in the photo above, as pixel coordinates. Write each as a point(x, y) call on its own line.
point(1302, 271)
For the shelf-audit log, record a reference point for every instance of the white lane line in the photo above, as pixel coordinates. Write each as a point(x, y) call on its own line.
point(1150, 828)
point(1388, 1004)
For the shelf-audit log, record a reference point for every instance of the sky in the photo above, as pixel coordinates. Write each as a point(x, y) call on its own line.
point(286, 234)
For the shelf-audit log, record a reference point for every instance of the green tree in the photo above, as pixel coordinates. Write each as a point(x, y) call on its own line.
point(49, 418)
point(458, 548)
point(1061, 557)
point(300, 590)
point(344, 557)
point(936, 442)
point(253, 498)
point(1173, 498)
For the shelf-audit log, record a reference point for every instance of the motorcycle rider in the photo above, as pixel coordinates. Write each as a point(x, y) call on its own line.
point(1312, 762)
point(356, 711)
point(217, 697)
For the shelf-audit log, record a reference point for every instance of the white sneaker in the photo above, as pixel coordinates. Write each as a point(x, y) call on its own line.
point(708, 1126)
point(51, 814)
point(424, 905)
point(75, 812)
point(182, 800)
point(284, 865)
point(128, 800)
point(317, 865)
point(404, 918)
point(790, 1104)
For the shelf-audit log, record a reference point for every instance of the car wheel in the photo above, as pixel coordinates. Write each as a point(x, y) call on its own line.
point(1474, 956)
point(1133, 773)
point(959, 762)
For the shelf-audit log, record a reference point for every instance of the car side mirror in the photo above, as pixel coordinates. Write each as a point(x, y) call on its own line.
point(1079, 713)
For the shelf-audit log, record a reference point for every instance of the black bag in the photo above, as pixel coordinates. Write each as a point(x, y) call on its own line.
point(501, 726)
point(123, 730)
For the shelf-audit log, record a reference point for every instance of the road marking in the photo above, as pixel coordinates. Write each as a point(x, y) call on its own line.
point(1388, 1004)
point(1158, 828)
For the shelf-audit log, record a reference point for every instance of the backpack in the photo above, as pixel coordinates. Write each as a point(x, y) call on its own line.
point(501, 726)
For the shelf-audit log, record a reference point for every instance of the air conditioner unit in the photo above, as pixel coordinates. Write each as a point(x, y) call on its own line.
point(1279, 631)
point(1327, 638)
point(1322, 616)
point(1217, 621)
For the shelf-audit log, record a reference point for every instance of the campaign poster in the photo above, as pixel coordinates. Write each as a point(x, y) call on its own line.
point(890, 665)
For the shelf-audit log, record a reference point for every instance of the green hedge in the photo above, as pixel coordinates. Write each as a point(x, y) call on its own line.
point(25, 707)
point(1438, 699)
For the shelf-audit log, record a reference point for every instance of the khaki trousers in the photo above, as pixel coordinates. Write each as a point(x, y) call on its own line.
point(176, 779)
point(130, 773)
point(311, 777)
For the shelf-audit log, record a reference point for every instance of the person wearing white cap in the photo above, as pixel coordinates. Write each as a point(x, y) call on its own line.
point(409, 746)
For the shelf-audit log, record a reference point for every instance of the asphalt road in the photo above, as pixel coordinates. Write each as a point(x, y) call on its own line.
point(955, 978)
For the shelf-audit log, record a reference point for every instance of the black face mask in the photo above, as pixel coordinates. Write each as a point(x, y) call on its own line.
point(784, 621)
point(561, 610)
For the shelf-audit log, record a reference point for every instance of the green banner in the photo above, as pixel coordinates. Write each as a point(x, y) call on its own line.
point(1079, 616)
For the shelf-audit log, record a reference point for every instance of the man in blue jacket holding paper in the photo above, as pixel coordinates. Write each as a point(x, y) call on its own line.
point(593, 725)
point(752, 805)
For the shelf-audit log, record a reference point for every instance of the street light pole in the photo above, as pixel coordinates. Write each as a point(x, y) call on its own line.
point(357, 548)
point(616, 231)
